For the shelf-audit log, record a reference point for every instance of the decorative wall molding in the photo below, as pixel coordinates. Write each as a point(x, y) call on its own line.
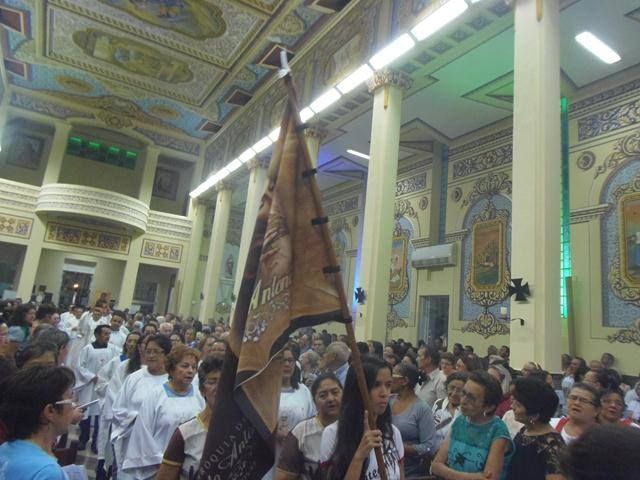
point(403, 208)
point(343, 206)
point(156, 250)
point(18, 195)
point(627, 335)
point(46, 107)
point(606, 121)
point(14, 226)
point(605, 97)
point(353, 253)
point(624, 149)
point(234, 229)
point(168, 225)
point(487, 326)
point(93, 202)
point(586, 160)
point(503, 136)
point(168, 141)
point(412, 184)
point(456, 194)
point(456, 236)
point(582, 215)
point(492, 184)
point(87, 238)
point(497, 157)
point(421, 242)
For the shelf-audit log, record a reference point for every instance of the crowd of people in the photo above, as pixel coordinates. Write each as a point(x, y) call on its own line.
point(139, 391)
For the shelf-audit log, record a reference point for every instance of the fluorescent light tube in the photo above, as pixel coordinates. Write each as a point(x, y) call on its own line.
point(234, 165)
point(306, 113)
point(326, 99)
point(274, 135)
point(247, 155)
point(395, 49)
point(596, 46)
point(262, 144)
point(358, 154)
point(439, 18)
point(361, 75)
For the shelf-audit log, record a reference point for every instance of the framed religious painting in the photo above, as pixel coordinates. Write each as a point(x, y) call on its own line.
point(488, 255)
point(165, 184)
point(630, 238)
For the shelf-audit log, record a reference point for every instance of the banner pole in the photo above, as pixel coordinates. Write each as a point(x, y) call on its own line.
point(356, 360)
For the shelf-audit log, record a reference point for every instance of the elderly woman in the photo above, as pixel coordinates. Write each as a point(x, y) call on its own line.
point(538, 446)
point(162, 411)
point(479, 442)
point(135, 389)
point(447, 409)
point(413, 417)
point(612, 409)
point(36, 408)
point(582, 412)
point(500, 373)
point(184, 451)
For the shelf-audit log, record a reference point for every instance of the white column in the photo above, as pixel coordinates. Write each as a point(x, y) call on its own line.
point(387, 87)
point(255, 189)
point(216, 250)
point(57, 152)
point(314, 137)
point(535, 244)
point(197, 213)
point(148, 174)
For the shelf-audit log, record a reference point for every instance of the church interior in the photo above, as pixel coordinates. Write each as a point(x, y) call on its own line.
point(479, 165)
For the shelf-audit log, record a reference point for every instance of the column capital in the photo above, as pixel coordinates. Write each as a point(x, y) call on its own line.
point(62, 127)
point(316, 132)
point(257, 162)
point(223, 186)
point(389, 77)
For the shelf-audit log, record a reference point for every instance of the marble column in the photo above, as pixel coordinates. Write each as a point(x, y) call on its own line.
point(255, 189)
point(387, 87)
point(535, 238)
point(216, 250)
point(314, 137)
point(197, 213)
point(130, 274)
point(52, 171)
point(57, 152)
point(148, 174)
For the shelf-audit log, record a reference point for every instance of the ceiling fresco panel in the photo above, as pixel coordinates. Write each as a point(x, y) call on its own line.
point(216, 32)
point(110, 53)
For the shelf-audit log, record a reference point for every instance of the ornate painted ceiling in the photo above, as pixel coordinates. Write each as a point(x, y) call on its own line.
point(184, 66)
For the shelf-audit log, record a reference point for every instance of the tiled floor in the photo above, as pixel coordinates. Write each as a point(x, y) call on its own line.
point(85, 457)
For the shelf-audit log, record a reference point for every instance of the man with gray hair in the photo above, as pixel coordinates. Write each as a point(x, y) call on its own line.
point(336, 360)
point(165, 329)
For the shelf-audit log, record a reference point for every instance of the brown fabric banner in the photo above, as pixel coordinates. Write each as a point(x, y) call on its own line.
point(284, 287)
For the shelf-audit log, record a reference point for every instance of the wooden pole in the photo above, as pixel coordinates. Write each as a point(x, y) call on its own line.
point(356, 360)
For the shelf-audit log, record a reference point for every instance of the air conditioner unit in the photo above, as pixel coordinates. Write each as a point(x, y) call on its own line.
point(443, 255)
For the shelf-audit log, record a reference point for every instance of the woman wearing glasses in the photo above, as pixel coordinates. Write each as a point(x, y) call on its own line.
point(296, 401)
point(479, 442)
point(582, 412)
point(447, 409)
point(612, 409)
point(135, 389)
point(36, 408)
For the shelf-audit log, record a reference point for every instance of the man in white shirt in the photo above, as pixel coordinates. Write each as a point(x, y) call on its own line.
point(118, 336)
point(92, 358)
point(433, 380)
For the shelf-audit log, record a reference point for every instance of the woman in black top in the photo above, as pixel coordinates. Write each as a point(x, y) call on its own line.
point(538, 445)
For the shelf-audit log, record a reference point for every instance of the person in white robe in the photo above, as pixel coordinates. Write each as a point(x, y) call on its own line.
point(118, 334)
point(71, 325)
point(110, 379)
point(136, 387)
point(92, 358)
point(88, 323)
point(161, 412)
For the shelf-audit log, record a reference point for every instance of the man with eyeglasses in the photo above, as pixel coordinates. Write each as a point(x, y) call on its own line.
point(92, 358)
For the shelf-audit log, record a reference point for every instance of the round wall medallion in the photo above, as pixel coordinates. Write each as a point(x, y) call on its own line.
point(456, 194)
point(586, 160)
point(355, 221)
point(424, 203)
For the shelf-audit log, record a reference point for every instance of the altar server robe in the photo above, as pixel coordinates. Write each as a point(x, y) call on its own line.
point(161, 412)
point(90, 361)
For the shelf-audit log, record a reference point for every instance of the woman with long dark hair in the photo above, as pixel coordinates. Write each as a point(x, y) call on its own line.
point(347, 447)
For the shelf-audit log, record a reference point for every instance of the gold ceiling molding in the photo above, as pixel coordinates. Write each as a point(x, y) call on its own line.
point(627, 335)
